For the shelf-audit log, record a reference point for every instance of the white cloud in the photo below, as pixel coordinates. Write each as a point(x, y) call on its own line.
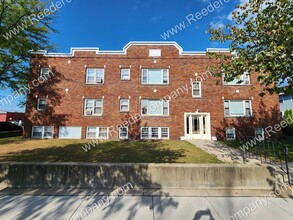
point(216, 25)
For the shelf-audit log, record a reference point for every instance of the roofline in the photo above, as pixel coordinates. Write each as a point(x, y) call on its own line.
point(127, 46)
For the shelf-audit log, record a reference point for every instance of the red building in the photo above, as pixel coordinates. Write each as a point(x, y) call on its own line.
point(165, 91)
point(11, 116)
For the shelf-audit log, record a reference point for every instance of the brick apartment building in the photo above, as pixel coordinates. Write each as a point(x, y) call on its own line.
point(90, 92)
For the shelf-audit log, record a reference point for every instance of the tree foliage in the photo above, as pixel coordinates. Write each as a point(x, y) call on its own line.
point(261, 40)
point(22, 29)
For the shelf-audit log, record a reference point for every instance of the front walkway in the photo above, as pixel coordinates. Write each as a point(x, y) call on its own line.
point(221, 151)
point(72, 207)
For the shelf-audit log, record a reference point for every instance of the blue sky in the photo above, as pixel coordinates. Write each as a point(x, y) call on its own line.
point(111, 24)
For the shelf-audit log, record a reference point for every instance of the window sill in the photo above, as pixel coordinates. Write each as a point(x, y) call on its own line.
point(154, 116)
point(124, 111)
point(238, 116)
point(92, 115)
point(237, 85)
point(94, 83)
point(149, 85)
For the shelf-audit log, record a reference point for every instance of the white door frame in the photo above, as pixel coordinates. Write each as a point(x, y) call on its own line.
point(207, 125)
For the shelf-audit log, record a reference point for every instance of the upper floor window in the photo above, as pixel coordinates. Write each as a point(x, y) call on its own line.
point(125, 74)
point(243, 79)
point(155, 52)
point(154, 107)
point(155, 76)
point(45, 73)
point(237, 108)
point(42, 104)
point(124, 105)
point(196, 89)
point(95, 76)
point(93, 107)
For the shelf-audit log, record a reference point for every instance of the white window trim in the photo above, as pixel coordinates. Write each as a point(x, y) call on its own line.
point(84, 110)
point(39, 109)
point(123, 138)
point(244, 109)
point(234, 131)
point(128, 105)
point(95, 81)
point(150, 133)
point(160, 115)
point(200, 94)
point(162, 77)
point(155, 52)
point(43, 131)
point(129, 72)
point(97, 133)
point(243, 83)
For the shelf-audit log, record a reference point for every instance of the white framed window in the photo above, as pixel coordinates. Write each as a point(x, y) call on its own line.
point(155, 52)
point(154, 107)
point(42, 104)
point(154, 133)
point(123, 132)
point(243, 79)
point(125, 74)
point(155, 76)
point(69, 132)
point(42, 132)
point(97, 133)
point(230, 134)
point(236, 108)
point(45, 73)
point(124, 105)
point(259, 133)
point(93, 107)
point(95, 76)
point(196, 89)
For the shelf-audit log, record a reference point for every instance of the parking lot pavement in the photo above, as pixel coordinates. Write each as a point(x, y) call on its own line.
point(143, 207)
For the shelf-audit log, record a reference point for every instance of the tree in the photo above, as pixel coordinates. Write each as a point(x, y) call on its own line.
point(288, 117)
point(24, 27)
point(261, 40)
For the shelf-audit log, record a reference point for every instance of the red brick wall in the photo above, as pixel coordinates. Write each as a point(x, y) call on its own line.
point(67, 108)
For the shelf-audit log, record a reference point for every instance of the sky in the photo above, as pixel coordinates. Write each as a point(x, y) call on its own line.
point(111, 24)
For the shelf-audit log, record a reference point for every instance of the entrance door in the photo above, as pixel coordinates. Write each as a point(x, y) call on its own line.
point(197, 126)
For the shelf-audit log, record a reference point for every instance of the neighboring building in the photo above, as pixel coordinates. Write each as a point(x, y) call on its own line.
point(89, 92)
point(286, 102)
point(14, 117)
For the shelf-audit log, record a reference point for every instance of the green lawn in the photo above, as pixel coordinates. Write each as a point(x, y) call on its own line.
point(289, 144)
point(17, 149)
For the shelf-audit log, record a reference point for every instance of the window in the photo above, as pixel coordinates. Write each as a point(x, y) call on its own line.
point(93, 107)
point(259, 133)
point(237, 108)
point(66, 132)
point(230, 134)
point(196, 89)
point(42, 132)
point(95, 76)
point(154, 107)
point(97, 133)
point(123, 132)
point(45, 73)
point(243, 79)
point(154, 133)
point(125, 74)
point(154, 52)
point(42, 104)
point(155, 76)
point(124, 105)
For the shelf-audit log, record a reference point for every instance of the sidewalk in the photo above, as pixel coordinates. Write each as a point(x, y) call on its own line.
point(129, 207)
